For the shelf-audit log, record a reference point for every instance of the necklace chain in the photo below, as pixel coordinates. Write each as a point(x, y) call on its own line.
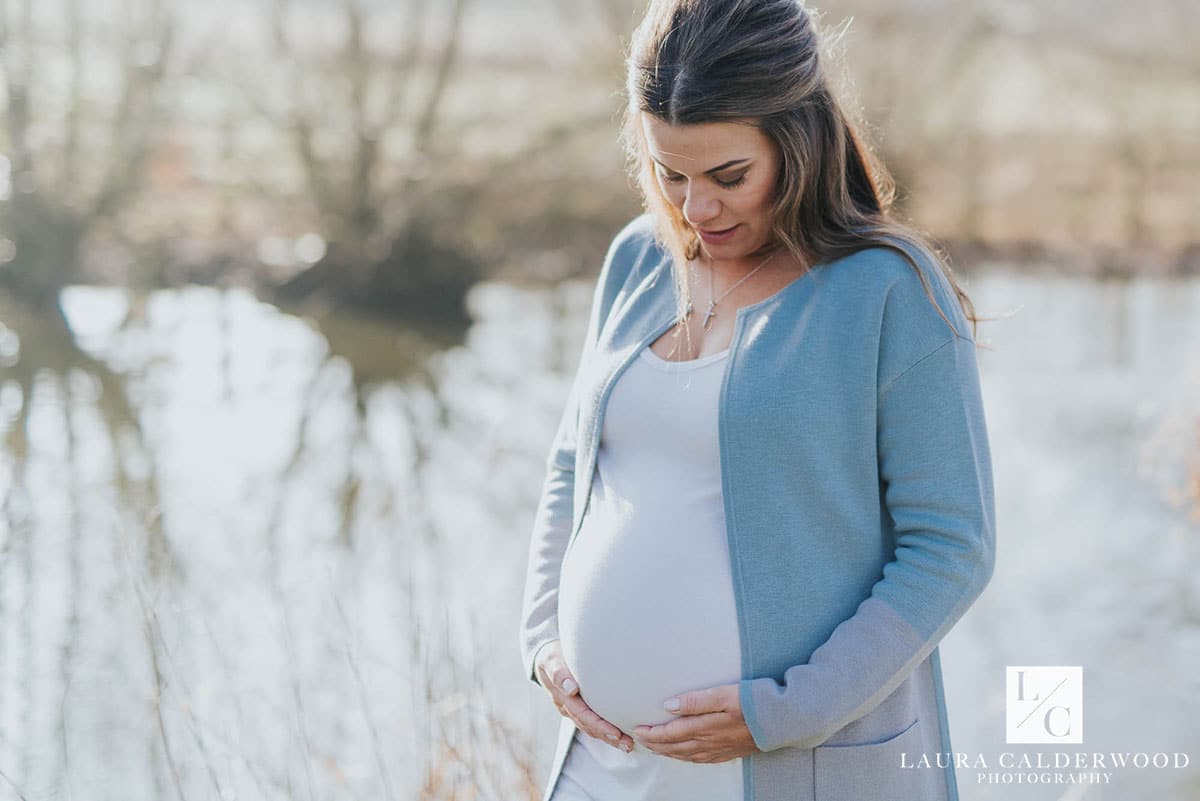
point(711, 312)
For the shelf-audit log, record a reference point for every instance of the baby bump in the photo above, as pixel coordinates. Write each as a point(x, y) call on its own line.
point(646, 610)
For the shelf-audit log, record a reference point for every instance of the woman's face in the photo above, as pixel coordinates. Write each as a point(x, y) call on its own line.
point(721, 176)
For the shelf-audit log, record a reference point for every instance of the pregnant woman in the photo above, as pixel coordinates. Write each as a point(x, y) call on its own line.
point(769, 496)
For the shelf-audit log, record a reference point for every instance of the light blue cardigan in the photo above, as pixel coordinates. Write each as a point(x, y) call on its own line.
point(858, 507)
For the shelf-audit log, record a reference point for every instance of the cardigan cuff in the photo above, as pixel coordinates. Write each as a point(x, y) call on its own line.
point(532, 663)
point(866, 658)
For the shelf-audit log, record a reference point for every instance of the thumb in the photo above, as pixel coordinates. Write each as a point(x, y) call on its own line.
point(562, 676)
point(693, 703)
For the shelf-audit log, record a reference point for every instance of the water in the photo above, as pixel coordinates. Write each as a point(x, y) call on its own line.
point(246, 554)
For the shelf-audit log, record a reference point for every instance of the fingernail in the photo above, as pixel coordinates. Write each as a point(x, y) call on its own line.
point(569, 686)
point(612, 738)
point(626, 747)
point(672, 705)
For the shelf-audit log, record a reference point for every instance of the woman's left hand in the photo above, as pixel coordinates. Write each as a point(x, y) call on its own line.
point(708, 727)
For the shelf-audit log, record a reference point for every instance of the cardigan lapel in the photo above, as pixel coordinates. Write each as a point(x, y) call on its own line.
point(634, 322)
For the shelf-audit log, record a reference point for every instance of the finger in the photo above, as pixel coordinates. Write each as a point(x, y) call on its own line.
point(556, 678)
point(611, 739)
point(696, 702)
point(592, 723)
point(583, 715)
point(564, 681)
point(674, 732)
point(683, 750)
point(654, 735)
point(545, 677)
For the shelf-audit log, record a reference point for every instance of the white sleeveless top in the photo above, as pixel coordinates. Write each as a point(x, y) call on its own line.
point(646, 606)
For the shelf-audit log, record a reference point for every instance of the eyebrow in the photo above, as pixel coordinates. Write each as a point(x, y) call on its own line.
point(716, 169)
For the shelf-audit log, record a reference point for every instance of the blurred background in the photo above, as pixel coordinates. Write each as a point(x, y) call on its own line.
point(290, 294)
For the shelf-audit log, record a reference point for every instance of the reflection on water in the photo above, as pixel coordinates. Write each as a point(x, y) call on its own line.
point(250, 554)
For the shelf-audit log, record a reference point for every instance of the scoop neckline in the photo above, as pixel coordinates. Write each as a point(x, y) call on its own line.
point(687, 364)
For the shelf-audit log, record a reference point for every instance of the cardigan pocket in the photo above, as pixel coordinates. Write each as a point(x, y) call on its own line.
point(873, 771)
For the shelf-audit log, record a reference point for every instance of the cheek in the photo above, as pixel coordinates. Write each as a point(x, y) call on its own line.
point(759, 196)
point(674, 193)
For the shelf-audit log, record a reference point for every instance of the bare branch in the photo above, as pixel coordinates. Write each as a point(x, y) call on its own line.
point(365, 138)
point(18, 58)
point(136, 110)
point(401, 74)
point(298, 123)
point(70, 158)
point(423, 129)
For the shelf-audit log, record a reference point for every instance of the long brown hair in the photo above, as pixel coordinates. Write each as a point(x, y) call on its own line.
point(760, 62)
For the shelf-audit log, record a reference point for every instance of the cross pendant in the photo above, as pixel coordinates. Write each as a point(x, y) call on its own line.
point(711, 313)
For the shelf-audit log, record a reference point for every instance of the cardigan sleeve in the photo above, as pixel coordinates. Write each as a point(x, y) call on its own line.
point(936, 479)
point(555, 510)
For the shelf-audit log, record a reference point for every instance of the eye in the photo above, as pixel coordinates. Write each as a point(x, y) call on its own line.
point(674, 178)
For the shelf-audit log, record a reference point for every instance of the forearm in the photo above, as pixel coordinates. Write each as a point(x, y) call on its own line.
point(551, 530)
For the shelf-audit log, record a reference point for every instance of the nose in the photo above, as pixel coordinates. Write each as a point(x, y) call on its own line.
point(699, 207)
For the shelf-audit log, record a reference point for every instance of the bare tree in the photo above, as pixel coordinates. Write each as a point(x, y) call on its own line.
point(367, 199)
point(54, 203)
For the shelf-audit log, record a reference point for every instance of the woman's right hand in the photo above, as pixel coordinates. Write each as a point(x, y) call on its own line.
point(554, 675)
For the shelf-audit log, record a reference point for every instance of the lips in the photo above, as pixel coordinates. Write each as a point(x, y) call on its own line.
point(717, 236)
